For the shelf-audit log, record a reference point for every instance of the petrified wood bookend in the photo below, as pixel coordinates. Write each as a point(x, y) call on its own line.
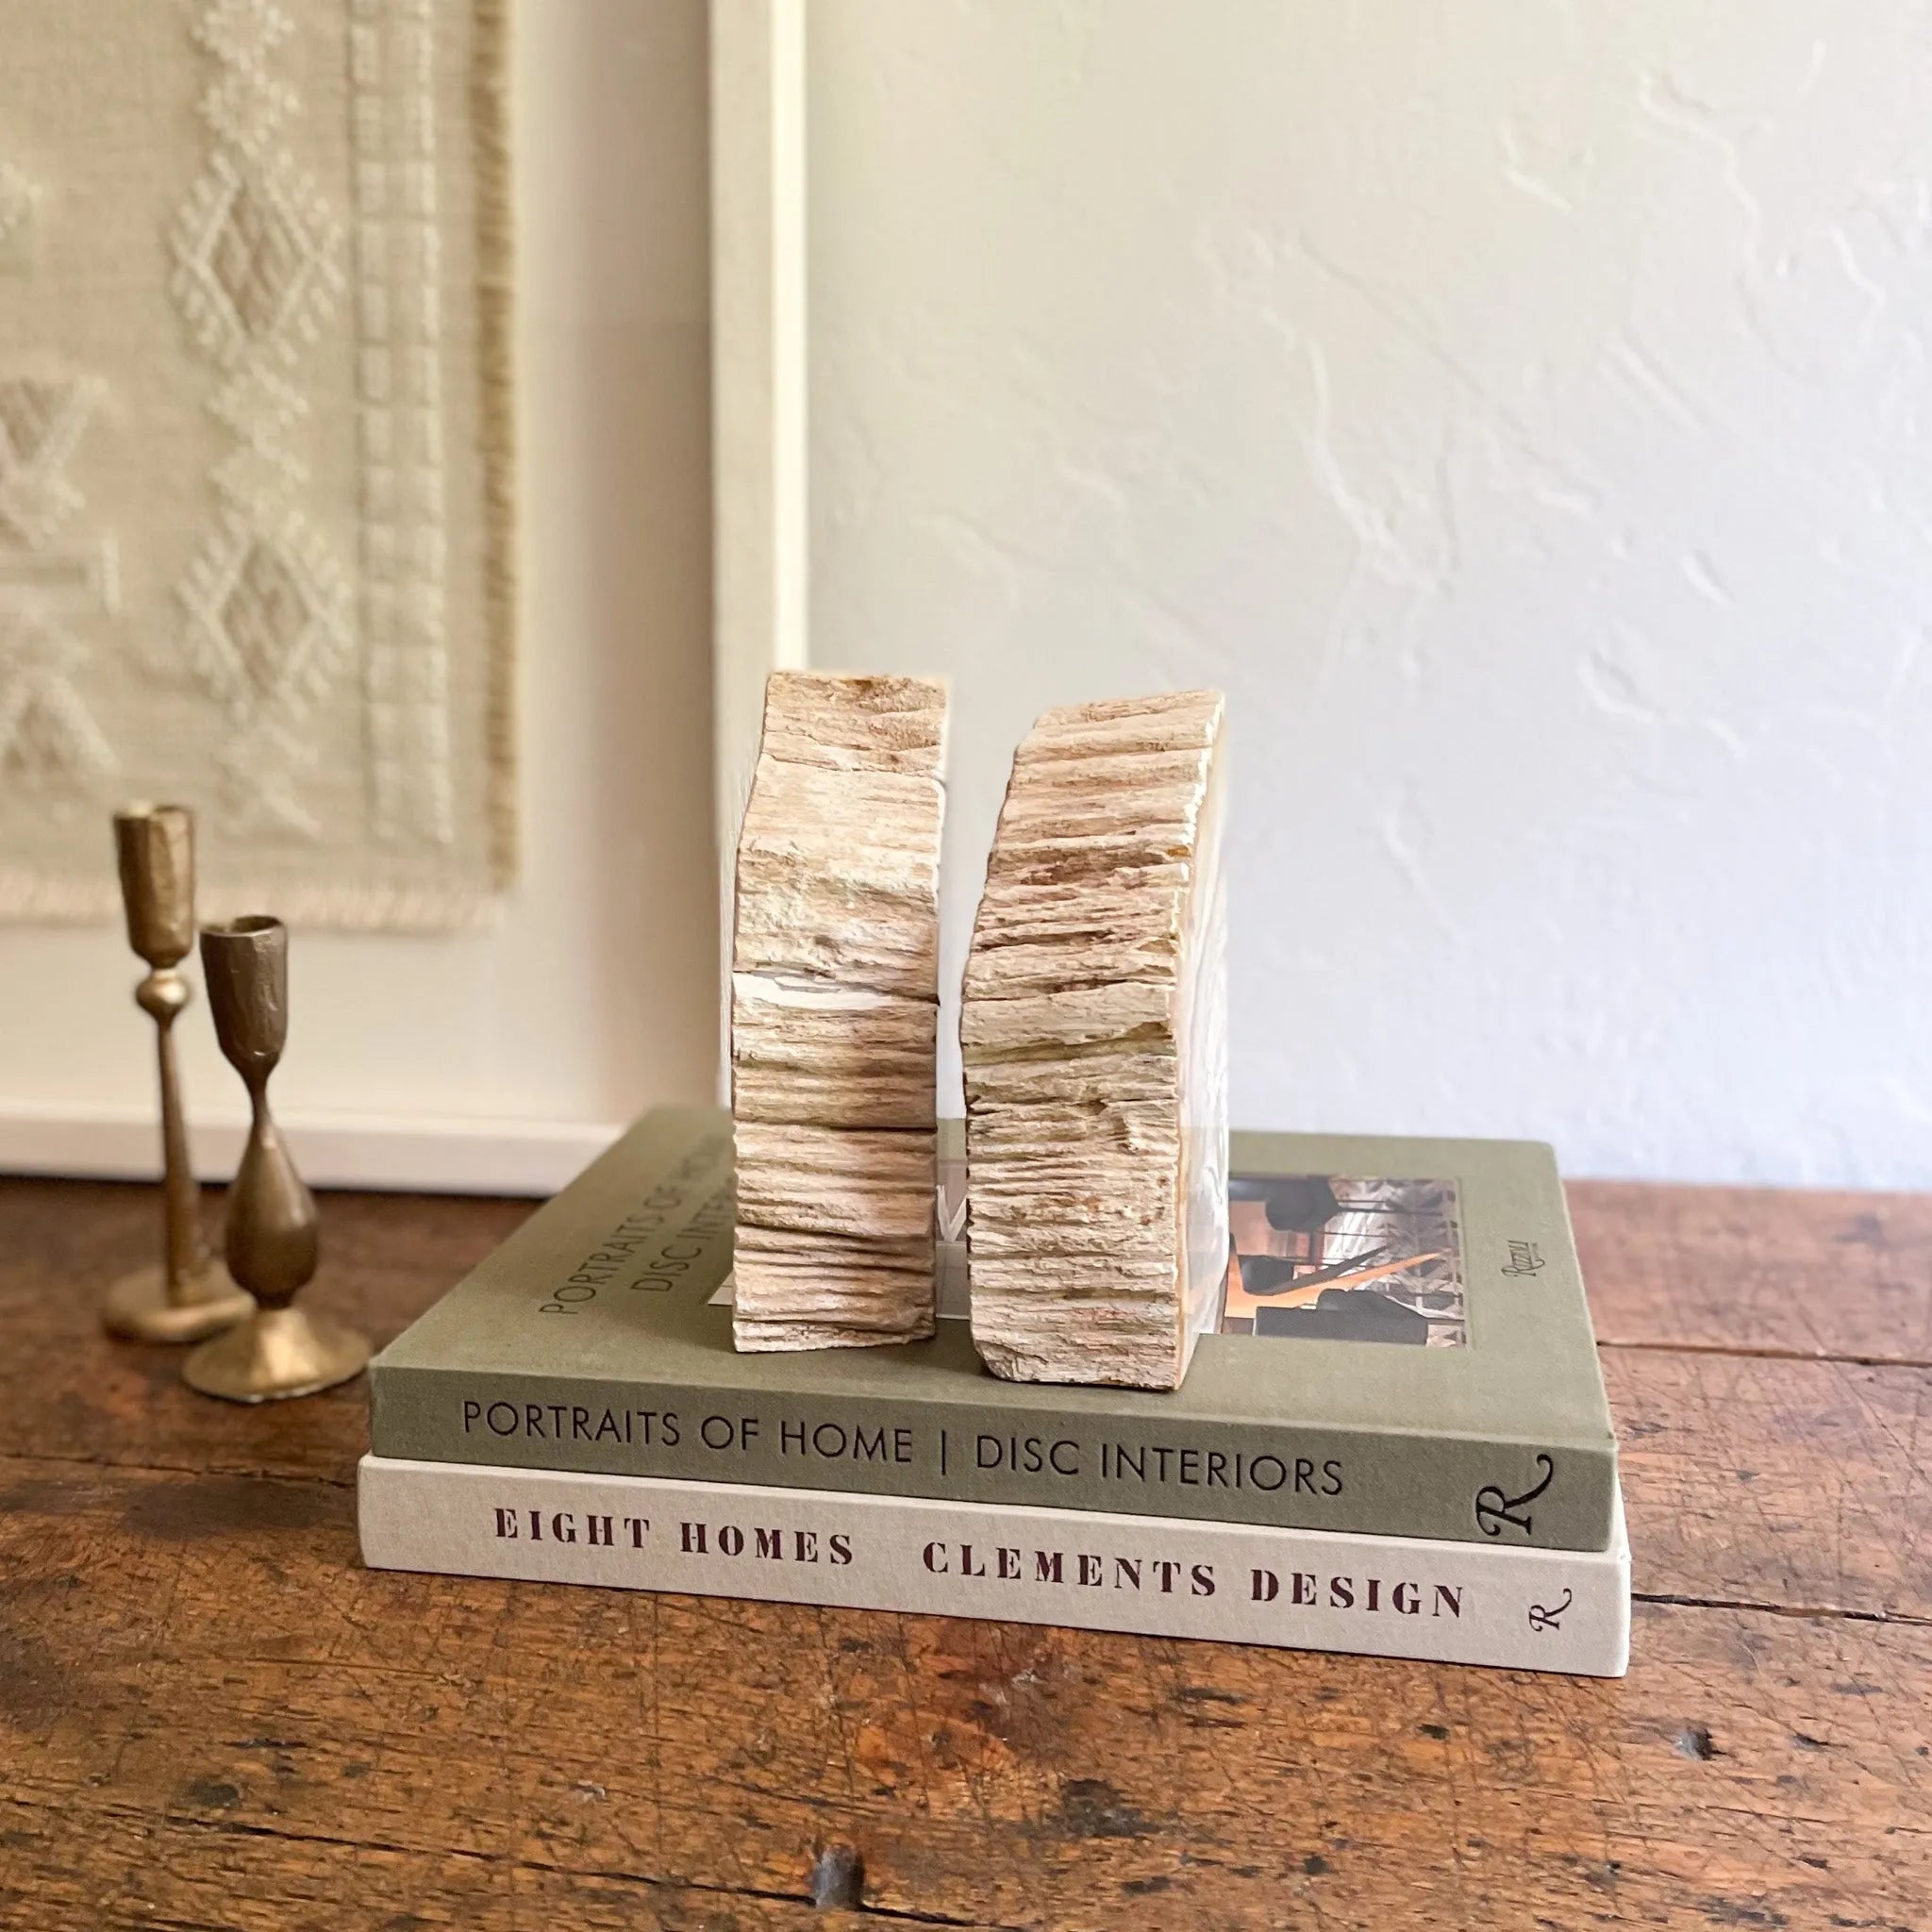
point(834, 1013)
point(1094, 1031)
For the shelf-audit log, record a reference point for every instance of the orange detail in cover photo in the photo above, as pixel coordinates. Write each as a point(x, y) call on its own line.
point(1337, 1257)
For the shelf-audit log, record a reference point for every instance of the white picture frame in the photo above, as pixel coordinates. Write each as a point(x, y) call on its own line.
point(761, 465)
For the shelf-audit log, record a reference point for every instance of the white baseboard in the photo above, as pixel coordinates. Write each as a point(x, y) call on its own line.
point(427, 1155)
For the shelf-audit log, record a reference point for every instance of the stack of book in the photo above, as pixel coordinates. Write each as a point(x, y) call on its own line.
point(1393, 1440)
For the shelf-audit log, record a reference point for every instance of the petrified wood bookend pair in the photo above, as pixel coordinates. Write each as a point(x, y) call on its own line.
point(1092, 1031)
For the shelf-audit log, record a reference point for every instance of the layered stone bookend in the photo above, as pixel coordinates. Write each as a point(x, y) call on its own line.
point(834, 1013)
point(1094, 1031)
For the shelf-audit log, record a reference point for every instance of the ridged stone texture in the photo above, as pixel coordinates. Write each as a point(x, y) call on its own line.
point(1094, 1034)
point(834, 1012)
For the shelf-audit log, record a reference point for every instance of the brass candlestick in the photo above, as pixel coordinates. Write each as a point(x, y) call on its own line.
point(280, 1350)
point(187, 1293)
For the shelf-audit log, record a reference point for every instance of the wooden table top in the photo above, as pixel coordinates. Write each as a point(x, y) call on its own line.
point(210, 1716)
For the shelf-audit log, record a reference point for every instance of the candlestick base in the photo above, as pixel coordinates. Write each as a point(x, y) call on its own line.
point(277, 1353)
point(142, 1307)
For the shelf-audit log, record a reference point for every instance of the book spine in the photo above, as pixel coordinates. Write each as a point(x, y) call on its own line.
point(1381, 1482)
point(1379, 1596)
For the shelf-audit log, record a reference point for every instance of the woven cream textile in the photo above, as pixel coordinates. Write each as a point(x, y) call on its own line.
point(254, 494)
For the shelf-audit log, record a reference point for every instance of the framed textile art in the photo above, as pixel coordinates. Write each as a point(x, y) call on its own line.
point(255, 543)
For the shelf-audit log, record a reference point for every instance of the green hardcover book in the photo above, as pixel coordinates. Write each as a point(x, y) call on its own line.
point(1400, 1347)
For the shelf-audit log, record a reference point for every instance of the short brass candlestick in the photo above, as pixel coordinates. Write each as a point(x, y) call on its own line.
point(187, 1293)
point(279, 1351)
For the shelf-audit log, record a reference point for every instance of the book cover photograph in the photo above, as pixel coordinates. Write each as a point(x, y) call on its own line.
point(598, 1338)
point(1344, 1259)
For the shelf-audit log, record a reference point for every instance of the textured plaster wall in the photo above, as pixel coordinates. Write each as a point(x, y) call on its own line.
point(1522, 409)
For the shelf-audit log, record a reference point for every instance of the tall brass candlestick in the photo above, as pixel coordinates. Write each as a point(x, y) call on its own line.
point(272, 1245)
point(188, 1294)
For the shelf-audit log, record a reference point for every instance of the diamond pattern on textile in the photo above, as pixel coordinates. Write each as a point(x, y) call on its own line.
point(262, 249)
point(243, 34)
point(260, 769)
point(247, 109)
point(257, 270)
point(27, 409)
point(246, 102)
point(260, 410)
point(255, 262)
point(266, 614)
point(40, 421)
point(266, 617)
point(47, 734)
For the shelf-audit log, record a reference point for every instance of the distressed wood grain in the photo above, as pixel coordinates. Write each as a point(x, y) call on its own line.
point(211, 1717)
point(1778, 1482)
point(183, 1873)
point(1756, 1270)
point(68, 1390)
point(204, 1656)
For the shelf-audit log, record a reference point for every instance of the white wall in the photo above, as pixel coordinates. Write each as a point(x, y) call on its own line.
point(1522, 408)
point(503, 1057)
